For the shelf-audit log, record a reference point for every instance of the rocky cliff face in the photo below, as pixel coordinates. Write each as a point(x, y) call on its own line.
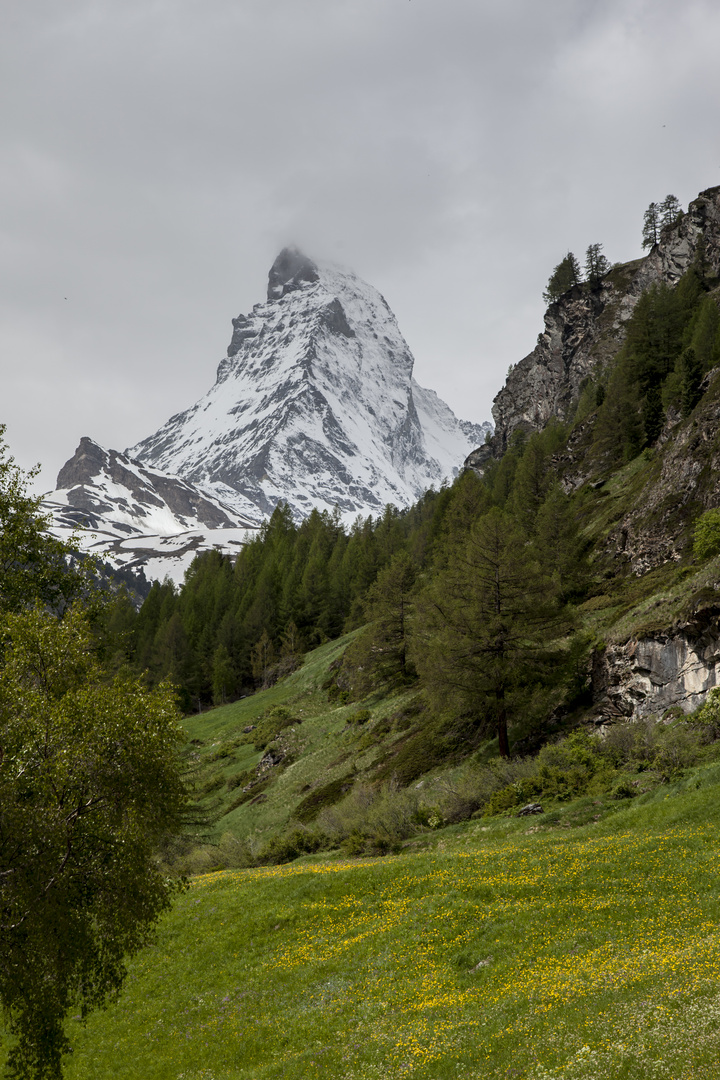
point(647, 676)
point(585, 328)
point(315, 405)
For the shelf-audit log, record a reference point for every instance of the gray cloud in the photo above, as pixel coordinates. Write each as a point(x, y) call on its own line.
point(156, 155)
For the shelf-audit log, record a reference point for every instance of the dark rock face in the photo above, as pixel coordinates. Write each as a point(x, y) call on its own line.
point(243, 329)
point(585, 328)
point(290, 271)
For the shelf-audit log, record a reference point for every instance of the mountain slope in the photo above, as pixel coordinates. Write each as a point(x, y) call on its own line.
point(138, 517)
point(315, 404)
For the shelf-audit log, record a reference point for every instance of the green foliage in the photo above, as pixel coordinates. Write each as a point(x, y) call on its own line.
point(424, 945)
point(690, 379)
point(704, 333)
point(486, 622)
point(89, 785)
point(670, 212)
point(380, 653)
point(653, 415)
point(270, 726)
point(596, 265)
point(565, 275)
point(325, 795)
point(707, 535)
point(34, 567)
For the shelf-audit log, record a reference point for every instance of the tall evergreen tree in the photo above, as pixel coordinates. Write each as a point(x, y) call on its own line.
point(670, 211)
point(691, 377)
point(566, 274)
point(651, 226)
point(596, 265)
point(380, 652)
point(484, 628)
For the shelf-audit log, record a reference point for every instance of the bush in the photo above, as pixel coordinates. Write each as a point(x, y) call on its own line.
point(270, 726)
point(290, 845)
point(372, 819)
point(707, 535)
point(309, 807)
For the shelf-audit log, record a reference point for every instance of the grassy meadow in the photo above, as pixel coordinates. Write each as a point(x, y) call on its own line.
point(531, 948)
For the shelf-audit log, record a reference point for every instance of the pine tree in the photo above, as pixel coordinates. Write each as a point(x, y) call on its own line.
point(224, 676)
point(596, 265)
point(653, 414)
point(484, 626)
point(691, 377)
point(381, 652)
point(566, 274)
point(705, 334)
point(670, 211)
point(651, 226)
point(263, 661)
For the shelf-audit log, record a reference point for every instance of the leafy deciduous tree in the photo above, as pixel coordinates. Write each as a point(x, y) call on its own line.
point(89, 782)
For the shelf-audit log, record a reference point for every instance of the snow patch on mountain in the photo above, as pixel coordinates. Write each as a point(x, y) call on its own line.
point(138, 517)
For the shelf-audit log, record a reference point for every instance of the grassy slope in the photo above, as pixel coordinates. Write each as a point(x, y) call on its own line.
point(504, 948)
point(323, 745)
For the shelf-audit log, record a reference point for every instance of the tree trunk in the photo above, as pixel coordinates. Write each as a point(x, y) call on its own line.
point(502, 730)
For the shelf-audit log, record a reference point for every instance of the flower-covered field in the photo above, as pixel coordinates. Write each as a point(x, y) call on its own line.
point(509, 950)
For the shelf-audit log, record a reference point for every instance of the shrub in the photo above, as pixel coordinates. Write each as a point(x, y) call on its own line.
point(309, 807)
point(707, 535)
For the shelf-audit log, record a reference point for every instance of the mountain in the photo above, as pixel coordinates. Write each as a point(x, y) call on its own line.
point(138, 517)
point(314, 405)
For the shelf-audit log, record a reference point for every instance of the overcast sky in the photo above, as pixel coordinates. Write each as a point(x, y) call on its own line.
point(156, 155)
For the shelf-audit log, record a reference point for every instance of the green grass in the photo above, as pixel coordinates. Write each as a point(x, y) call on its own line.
point(323, 746)
point(526, 948)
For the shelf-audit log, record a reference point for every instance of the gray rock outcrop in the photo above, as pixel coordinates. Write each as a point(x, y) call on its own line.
point(648, 675)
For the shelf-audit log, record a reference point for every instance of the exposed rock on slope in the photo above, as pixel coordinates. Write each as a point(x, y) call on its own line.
point(585, 328)
point(315, 405)
point(647, 676)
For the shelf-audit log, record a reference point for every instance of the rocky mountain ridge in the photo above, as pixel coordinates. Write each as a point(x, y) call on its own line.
point(644, 511)
point(137, 517)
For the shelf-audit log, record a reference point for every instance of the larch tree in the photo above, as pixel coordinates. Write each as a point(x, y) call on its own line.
point(651, 226)
point(485, 626)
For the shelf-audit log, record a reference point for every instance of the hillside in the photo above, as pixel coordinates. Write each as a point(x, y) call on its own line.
point(504, 948)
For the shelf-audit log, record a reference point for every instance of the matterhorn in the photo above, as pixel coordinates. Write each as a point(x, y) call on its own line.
point(315, 405)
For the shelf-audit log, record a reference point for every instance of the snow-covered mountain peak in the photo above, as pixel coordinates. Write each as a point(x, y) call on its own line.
point(314, 404)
